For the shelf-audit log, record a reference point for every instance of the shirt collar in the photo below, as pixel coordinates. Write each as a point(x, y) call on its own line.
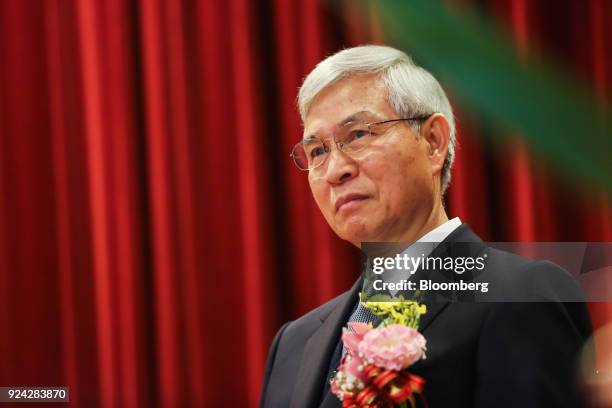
point(426, 244)
point(442, 231)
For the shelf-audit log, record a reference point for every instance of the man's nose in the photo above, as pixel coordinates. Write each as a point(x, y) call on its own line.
point(340, 166)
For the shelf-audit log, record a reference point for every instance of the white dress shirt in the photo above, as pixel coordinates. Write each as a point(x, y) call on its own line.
point(422, 247)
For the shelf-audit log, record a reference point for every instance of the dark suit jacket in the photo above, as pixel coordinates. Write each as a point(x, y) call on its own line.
point(479, 354)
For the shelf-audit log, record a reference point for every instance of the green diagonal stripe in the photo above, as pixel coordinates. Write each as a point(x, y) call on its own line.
point(558, 116)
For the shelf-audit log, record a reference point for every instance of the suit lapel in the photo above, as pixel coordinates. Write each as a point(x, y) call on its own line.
point(452, 246)
point(331, 401)
point(433, 310)
point(318, 351)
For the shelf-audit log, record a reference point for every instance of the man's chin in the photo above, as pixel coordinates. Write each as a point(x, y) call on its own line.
point(355, 232)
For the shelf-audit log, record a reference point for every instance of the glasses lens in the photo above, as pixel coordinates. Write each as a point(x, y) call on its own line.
point(354, 136)
point(309, 154)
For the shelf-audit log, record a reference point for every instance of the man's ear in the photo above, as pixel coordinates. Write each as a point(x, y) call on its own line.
point(436, 132)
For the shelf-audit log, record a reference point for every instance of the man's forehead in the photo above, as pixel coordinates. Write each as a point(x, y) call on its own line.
point(358, 97)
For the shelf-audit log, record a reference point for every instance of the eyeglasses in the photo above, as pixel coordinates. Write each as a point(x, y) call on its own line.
point(352, 137)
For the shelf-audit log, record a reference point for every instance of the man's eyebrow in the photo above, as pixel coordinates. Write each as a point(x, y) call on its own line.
point(356, 116)
point(309, 138)
point(361, 115)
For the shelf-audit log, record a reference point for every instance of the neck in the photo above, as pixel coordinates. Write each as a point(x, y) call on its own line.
point(436, 217)
point(433, 219)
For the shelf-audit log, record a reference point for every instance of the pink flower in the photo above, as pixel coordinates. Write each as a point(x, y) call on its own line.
point(352, 339)
point(350, 377)
point(394, 347)
point(354, 367)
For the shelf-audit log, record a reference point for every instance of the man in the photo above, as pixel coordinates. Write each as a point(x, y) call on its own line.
point(378, 146)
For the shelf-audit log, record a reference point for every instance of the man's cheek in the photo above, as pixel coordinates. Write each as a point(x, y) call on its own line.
point(318, 194)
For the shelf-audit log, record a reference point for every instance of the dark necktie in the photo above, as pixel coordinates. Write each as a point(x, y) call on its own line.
point(360, 314)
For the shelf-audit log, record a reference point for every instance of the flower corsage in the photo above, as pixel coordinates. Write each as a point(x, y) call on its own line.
point(374, 370)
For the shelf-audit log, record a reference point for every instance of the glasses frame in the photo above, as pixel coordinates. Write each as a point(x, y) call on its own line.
point(340, 145)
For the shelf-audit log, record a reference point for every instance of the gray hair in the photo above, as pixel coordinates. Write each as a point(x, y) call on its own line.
point(412, 91)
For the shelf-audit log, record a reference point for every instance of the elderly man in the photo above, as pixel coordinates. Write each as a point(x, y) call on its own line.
point(378, 146)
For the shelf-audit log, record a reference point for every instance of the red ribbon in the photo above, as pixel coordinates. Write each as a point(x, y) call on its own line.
point(386, 387)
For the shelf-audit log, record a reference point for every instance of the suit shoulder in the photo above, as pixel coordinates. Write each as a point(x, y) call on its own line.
point(316, 315)
point(530, 280)
point(294, 335)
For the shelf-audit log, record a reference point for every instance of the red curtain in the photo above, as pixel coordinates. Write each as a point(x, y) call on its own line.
point(154, 233)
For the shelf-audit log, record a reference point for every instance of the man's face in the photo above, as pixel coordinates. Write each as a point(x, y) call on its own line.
point(380, 194)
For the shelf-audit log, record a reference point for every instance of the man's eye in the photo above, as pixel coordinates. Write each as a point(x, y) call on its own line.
point(359, 133)
point(317, 151)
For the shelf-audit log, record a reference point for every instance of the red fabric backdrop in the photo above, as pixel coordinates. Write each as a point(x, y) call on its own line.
point(153, 231)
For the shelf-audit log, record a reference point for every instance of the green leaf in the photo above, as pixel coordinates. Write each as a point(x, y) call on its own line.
point(558, 116)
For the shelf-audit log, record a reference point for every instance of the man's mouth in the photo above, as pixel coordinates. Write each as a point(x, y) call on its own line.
point(349, 200)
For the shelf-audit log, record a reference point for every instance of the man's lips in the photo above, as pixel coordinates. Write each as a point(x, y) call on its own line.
point(348, 198)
